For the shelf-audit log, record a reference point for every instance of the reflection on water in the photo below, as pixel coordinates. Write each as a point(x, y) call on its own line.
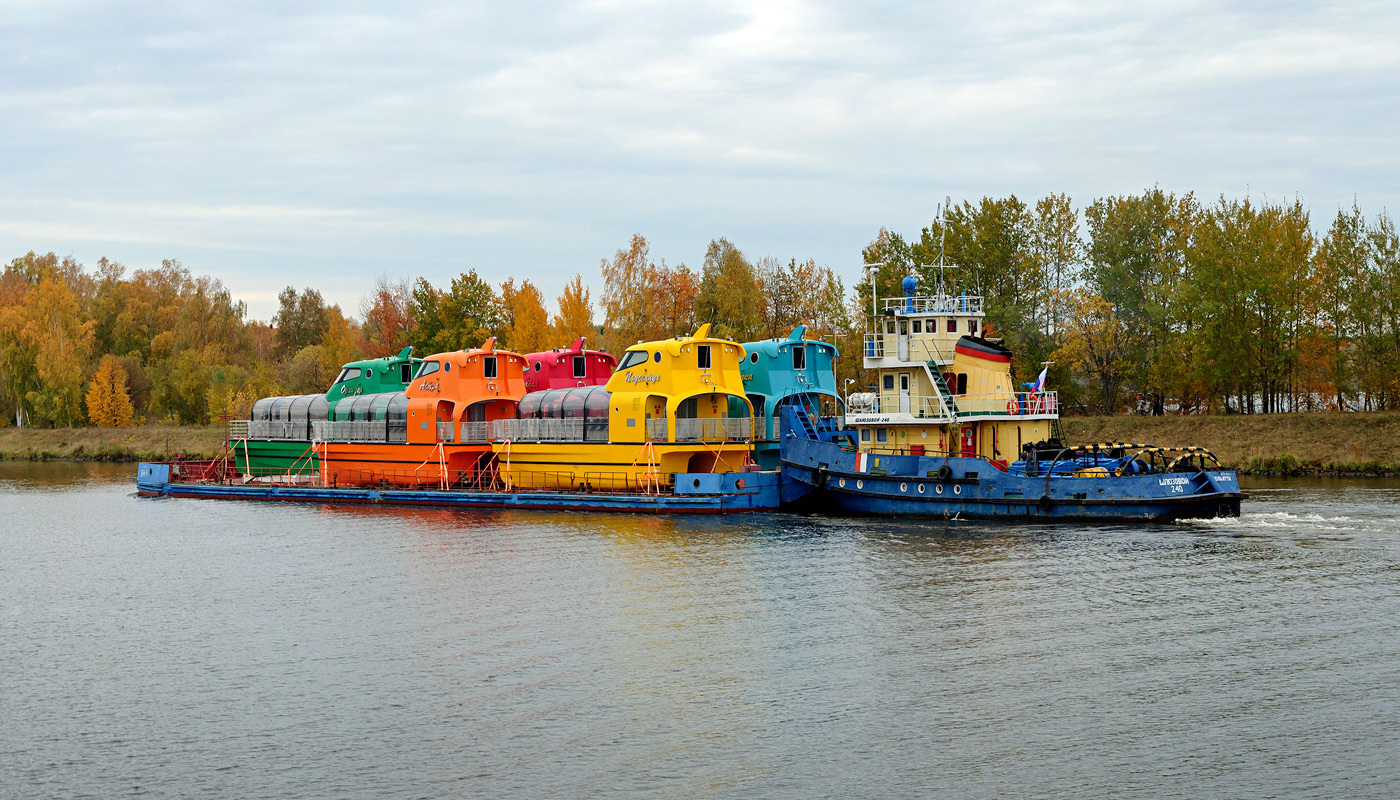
point(206, 648)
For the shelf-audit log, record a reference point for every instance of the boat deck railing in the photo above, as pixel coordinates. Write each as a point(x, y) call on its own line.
point(934, 304)
point(487, 477)
point(1003, 404)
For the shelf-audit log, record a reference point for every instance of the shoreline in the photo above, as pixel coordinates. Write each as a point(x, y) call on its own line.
point(1323, 444)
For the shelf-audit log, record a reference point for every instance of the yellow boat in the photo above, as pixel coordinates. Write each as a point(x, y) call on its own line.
point(675, 405)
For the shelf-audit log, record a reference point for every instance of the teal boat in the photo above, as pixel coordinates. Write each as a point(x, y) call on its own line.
point(783, 372)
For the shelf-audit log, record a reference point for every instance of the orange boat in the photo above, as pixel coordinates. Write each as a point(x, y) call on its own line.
point(437, 432)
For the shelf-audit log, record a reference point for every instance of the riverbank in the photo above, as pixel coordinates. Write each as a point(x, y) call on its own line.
point(1262, 444)
point(1325, 443)
point(148, 442)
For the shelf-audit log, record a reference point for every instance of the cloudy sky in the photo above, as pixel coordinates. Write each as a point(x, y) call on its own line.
point(322, 144)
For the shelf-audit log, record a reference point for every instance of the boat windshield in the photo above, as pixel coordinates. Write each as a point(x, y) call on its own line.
point(633, 358)
point(428, 368)
point(349, 373)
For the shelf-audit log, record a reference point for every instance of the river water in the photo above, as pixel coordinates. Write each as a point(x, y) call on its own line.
point(189, 648)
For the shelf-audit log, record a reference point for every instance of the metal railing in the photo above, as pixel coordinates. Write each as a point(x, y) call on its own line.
point(538, 430)
point(937, 304)
point(1014, 404)
point(446, 431)
point(360, 430)
point(276, 429)
point(722, 429)
point(916, 348)
point(476, 432)
point(238, 428)
point(918, 406)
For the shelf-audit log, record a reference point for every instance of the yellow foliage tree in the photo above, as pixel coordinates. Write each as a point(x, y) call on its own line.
point(108, 399)
point(575, 317)
point(1096, 343)
point(527, 323)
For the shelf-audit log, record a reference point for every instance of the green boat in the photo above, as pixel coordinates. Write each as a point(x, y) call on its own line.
point(277, 440)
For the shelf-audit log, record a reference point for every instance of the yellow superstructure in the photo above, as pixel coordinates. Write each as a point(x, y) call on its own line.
point(675, 405)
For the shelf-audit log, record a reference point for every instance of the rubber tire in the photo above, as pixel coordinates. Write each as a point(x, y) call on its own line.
point(945, 472)
point(1046, 503)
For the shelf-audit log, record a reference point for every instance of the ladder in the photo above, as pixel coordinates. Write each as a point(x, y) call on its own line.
point(945, 395)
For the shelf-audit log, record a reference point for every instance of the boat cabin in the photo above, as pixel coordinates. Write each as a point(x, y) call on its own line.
point(568, 367)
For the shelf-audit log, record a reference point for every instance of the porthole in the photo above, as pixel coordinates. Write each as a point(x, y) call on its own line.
point(447, 366)
point(656, 356)
point(904, 487)
point(938, 488)
point(957, 489)
point(841, 483)
point(697, 483)
point(753, 358)
point(921, 488)
point(739, 484)
point(860, 484)
point(537, 366)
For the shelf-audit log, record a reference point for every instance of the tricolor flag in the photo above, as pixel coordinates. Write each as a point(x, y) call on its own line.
point(862, 462)
point(1040, 382)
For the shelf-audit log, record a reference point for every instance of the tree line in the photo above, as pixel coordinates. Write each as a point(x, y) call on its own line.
point(1152, 302)
point(1160, 303)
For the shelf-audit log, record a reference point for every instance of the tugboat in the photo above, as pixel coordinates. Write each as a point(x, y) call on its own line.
point(945, 433)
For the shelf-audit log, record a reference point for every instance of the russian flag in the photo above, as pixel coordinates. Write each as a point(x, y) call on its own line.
point(1040, 382)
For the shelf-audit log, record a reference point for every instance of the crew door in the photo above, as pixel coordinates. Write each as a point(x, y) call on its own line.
point(904, 392)
point(903, 342)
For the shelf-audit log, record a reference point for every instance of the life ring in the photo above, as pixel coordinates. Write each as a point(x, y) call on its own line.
point(945, 472)
point(1012, 407)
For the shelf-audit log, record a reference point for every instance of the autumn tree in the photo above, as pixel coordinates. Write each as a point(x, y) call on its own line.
point(730, 297)
point(465, 316)
point(388, 315)
point(524, 322)
point(1096, 344)
point(301, 319)
point(575, 315)
point(108, 400)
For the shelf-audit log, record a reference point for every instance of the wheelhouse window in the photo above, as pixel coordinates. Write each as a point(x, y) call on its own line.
point(799, 357)
point(889, 326)
point(633, 358)
point(405, 373)
point(427, 368)
point(952, 326)
point(348, 374)
point(580, 368)
point(972, 327)
point(918, 326)
point(702, 356)
point(488, 367)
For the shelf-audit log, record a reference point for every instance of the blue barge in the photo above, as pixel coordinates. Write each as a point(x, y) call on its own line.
point(693, 493)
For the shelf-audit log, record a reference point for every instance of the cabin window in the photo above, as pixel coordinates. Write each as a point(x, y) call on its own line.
point(918, 326)
point(633, 358)
point(962, 383)
point(865, 434)
point(405, 373)
point(799, 357)
point(952, 326)
point(702, 356)
point(753, 358)
point(488, 367)
point(972, 327)
point(348, 374)
point(888, 382)
point(656, 356)
point(889, 326)
point(580, 367)
point(882, 435)
point(447, 366)
point(537, 366)
point(428, 368)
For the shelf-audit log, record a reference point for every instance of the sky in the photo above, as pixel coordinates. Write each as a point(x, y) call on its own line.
point(323, 144)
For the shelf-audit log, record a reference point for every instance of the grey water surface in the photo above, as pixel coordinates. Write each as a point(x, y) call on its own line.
point(189, 648)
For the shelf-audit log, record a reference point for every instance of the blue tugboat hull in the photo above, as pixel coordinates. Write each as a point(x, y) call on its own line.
point(974, 488)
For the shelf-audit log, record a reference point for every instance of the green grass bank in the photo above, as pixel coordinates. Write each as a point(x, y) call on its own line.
point(1278, 444)
point(148, 442)
point(1321, 443)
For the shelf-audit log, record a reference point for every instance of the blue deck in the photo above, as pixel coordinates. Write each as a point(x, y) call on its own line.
point(694, 493)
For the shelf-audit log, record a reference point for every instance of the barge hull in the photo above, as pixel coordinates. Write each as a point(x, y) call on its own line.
point(695, 493)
